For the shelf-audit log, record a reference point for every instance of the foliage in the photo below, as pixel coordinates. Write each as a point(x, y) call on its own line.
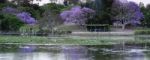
point(3, 1)
point(55, 8)
point(50, 16)
point(27, 30)
point(126, 13)
point(77, 15)
point(27, 6)
point(146, 12)
point(74, 1)
point(2, 5)
point(22, 2)
point(33, 9)
point(26, 18)
point(10, 10)
point(50, 19)
point(102, 9)
point(9, 22)
point(142, 32)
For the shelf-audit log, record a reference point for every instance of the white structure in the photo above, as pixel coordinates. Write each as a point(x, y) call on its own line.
point(146, 2)
point(42, 2)
point(123, 1)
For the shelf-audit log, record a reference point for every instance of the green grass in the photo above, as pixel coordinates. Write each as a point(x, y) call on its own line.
point(142, 31)
point(22, 39)
point(61, 41)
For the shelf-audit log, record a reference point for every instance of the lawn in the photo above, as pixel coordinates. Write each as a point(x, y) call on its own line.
point(65, 41)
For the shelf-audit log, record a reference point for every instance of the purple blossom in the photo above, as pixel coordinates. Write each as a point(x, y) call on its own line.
point(27, 49)
point(10, 10)
point(26, 18)
point(128, 13)
point(23, 16)
point(77, 15)
point(74, 53)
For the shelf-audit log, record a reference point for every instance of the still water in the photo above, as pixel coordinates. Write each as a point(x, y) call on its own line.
point(67, 52)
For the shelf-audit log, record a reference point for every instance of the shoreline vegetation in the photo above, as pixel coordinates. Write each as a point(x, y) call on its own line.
point(22, 22)
point(75, 40)
point(80, 38)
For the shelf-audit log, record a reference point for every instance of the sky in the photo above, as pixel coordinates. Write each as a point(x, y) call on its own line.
point(144, 1)
point(46, 1)
point(137, 1)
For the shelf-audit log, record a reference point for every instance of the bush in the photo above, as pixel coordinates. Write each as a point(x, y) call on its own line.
point(142, 32)
point(55, 8)
point(9, 22)
point(98, 27)
point(61, 32)
point(43, 33)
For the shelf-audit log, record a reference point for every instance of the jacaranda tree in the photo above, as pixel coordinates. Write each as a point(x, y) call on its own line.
point(77, 15)
point(10, 10)
point(126, 13)
point(26, 18)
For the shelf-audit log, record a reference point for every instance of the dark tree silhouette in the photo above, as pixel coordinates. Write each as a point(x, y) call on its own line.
point(2, 1)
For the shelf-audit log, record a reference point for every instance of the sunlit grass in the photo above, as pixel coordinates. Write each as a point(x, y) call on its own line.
point(65, 41)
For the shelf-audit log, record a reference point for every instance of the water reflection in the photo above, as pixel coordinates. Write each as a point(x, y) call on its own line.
point(75, 53)
point(106, 52)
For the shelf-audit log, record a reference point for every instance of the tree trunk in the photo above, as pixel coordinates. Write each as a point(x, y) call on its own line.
point(123, 27)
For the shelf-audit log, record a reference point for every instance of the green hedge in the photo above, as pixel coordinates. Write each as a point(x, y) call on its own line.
point(142, 32)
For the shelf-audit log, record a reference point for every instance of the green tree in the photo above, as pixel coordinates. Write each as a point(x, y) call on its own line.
point(9, 22)
point(3, 1)
point(55, 8)
point(146, 12)
point(102, 8)
point(33, 9)
point(22, 2)
point(2, 5)
point(50, 17)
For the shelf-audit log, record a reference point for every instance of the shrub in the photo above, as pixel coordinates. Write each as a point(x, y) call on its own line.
point(43, 33)
point(98, 28)
point(142, 32)
point(9, 22)
point(57, 32)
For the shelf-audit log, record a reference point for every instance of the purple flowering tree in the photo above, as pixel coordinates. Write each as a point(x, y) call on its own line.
point(23, 16)
point(77, 15)
point(10, 10)
point(126, 13)
point(26, 18)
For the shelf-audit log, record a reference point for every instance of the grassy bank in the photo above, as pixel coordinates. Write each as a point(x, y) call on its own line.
point(65, 41)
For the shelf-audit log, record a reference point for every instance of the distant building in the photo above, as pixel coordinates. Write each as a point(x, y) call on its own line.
point(141, 4)
point(42, 2)
point(122, 1)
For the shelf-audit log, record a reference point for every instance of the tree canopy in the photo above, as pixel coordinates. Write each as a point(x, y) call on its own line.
point(126, 13)
point(77, 15)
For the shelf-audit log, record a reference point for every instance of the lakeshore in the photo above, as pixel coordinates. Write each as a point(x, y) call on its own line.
point(80, 38)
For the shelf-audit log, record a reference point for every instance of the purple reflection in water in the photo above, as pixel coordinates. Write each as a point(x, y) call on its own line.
point(74, 52)
point(27, 49)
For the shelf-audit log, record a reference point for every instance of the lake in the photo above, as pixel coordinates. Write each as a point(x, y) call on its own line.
point(75, 52)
